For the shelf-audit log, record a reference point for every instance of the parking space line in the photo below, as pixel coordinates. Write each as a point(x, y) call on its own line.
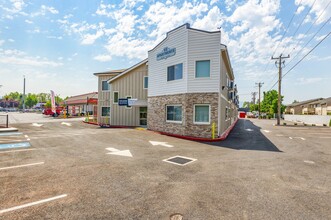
point(12, 151)
point(32, 203)
point(24, 165)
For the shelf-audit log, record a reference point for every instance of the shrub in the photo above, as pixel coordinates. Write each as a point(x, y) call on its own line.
point(330, 123)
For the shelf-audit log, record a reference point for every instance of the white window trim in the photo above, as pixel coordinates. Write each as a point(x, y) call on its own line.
point(195, 70)
point(201, 123)
point(127, 96)
point(106, 115)
point(144, 82)
point(175, 80)
point(171, 121)
point(102, 84)
point(118, 96)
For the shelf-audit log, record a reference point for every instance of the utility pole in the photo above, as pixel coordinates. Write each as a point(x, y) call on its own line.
point(279, 64)
point(259, 84)
point(253, 97)
point(24, 94)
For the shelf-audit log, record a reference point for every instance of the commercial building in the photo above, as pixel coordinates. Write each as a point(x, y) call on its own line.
point(185, 87)
point(82, 104)
point(191, 84)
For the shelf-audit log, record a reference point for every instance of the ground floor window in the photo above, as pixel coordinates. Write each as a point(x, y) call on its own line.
point(105, 111)
point(174, 113)
point(202, 114)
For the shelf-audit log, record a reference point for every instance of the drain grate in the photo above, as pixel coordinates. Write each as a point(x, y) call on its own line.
point(180, 160)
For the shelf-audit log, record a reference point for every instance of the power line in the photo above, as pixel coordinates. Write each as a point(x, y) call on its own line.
point(310, 39)
point(304, 57)
point(312, 24)
point(284, 33)
point(302, 22)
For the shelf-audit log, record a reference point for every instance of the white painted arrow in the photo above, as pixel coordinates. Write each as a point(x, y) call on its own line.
point(164, 144)
point(66, 123)
point(114, 151)
point(37, 125)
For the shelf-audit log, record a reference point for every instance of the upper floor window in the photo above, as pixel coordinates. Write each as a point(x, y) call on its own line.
point(175, 72)
point(115, 97)
point(202, 68)
point(105, 86)
point(145, 82)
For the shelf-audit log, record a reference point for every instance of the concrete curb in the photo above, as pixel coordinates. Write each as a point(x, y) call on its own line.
point(223, 136)
point(8, 129)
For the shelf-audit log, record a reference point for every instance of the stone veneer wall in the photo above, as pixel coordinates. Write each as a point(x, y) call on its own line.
point(157, 114)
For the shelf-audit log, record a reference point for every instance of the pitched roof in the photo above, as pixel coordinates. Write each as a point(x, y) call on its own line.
point(304, 102)
point(110, 72)
point(128, 70)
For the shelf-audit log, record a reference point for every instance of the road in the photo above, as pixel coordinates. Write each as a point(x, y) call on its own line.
point(80, 171)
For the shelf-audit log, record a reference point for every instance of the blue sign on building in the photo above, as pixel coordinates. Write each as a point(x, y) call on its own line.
point(165, 53)
point(123, 102)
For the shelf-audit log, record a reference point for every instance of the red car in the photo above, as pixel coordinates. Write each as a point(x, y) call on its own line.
point(48, 111)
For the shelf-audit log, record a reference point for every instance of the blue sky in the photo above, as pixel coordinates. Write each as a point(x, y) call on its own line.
point(58, 45)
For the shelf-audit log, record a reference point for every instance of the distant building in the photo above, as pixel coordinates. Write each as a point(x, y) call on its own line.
point(82, 104)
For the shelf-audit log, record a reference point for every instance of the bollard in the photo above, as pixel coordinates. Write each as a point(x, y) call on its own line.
point(213, 130)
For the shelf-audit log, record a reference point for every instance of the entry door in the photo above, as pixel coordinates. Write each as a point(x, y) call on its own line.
point(143, 116)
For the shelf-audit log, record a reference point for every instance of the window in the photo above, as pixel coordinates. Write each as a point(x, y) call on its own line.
point(105, 111)
point(175, 72)
point(202, 68)
point(115, 97)
point(174, 113)
point(202, 114)
point(145, 82)
point(105, 86)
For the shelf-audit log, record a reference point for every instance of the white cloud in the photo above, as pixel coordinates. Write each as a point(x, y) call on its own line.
point(103, 58)
point(28, 21)
point(211, 21)
point(44, 10)
point(319, 7)
point(2, 42)
point(16, 57)
point(307, 81)
point(90, 38)
point(11, 40)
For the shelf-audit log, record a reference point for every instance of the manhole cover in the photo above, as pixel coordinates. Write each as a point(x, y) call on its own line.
point(180, 160)
point(176, 216)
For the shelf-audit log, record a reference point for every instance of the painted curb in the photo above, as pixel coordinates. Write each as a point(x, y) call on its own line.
point(221, 138)
point(8, 129)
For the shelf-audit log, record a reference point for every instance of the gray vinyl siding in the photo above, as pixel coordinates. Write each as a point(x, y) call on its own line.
point(203, 46)
point(158, 68)
point(130, 84)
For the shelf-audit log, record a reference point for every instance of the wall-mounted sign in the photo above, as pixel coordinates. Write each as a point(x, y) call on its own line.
point(123, 102)
point(165, 53)
point(126, 102)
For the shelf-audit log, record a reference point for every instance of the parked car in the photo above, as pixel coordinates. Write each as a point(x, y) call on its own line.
point(48, 111)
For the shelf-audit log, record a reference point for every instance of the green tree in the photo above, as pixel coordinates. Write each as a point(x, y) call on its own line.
point(31, 100)
point(253, 107)
point(269, 104)
point(246, 104)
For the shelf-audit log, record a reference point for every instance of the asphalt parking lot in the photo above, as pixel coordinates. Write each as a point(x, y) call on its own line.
point(74, 170)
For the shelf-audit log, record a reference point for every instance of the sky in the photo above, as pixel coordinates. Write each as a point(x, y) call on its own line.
point(58, 45)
